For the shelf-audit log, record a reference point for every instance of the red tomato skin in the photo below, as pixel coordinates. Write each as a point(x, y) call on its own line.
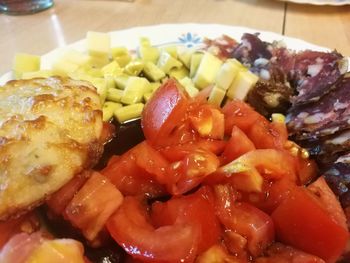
point(196, 209)
point(267, 135)
point(279, 253)
point(189, 172)
point(328, 200)
point(163, 112)
point(130, 178)
point(177, 152)
point(59, 200)
point(271, 163)
point(237, 145)
point(272, 195)
point(150, 160)
point(240, 114)
point(95, 202)
point(19, 248)
point(207, 121)
point(244, 219)
point(13, 226)
point(130, 227)
point(307, 170)
point(301, 222)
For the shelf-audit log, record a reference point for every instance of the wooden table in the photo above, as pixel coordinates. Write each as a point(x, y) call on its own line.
point(69, 20)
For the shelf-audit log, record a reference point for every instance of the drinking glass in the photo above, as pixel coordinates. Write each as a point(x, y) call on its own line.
point(22, 7)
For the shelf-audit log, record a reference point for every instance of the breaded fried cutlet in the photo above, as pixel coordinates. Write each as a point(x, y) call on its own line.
point(50, 130)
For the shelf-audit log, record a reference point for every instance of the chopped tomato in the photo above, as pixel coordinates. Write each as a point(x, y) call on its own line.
point(240, 114)
point(271, 164)
point(130, 178)
point(306, 169)
point(177, 152)
point(26, 223)
point(328, 200)
point(163, 112)
point(217, 253)
point(279, 253)
point(59, 200)
point(303, 222)
point(189, 172)
point(237, 145)
point(95, 202)
point(150, 160)
point(130, 227)
point(236, 244)
point(19, 248)
point(272, 194)
point(196, 209)
point(267, 135)
point(244, 219)
point(207, 121)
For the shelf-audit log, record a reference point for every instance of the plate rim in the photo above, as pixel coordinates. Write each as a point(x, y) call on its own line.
point(220, 29)
point(317, 3)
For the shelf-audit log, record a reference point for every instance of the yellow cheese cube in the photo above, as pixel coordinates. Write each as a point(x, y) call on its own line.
point(76, 57)
point(242, 84)
point(216, 96)
point(207, 71)
point(108, 109)
point(166, 62)
point(135, 88)
point(179, 73)
point(227, 73)
point(129, 112)
point(189, 86)
point(98, 44)
point(37, 74)
point(63, 67)
point(25, 63)
point(112, 69)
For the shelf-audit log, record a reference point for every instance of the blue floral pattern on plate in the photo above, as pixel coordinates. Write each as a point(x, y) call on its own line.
point(190, 39)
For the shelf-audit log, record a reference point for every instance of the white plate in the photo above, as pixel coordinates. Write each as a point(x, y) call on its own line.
point(181, 34)
point(320, 2)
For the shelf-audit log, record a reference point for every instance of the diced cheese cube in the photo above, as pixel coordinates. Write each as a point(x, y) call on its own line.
point(216, 96)
point(25, 63)
point(129, 112)
point(98, 44)
point(241, 85)
point(207, 71)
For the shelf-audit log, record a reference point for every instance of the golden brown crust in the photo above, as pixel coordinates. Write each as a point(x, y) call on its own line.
point(50, 130)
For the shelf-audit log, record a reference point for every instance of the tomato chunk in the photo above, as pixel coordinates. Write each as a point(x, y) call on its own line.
point(268, 135)
point(302, 221)
point(95, 202)
point(271, 163)
point(28, 223)
point(163, 112)
point(130, 227)
point(179, 151)
point(19, 248)
point(189, 172)
point(328, 200)
point(240, 114)
point(244, 219)
point(208, 121)
point(237, 145)
point(279, 253)
point(196, 209)
point(136, 172)
point(59, 200)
